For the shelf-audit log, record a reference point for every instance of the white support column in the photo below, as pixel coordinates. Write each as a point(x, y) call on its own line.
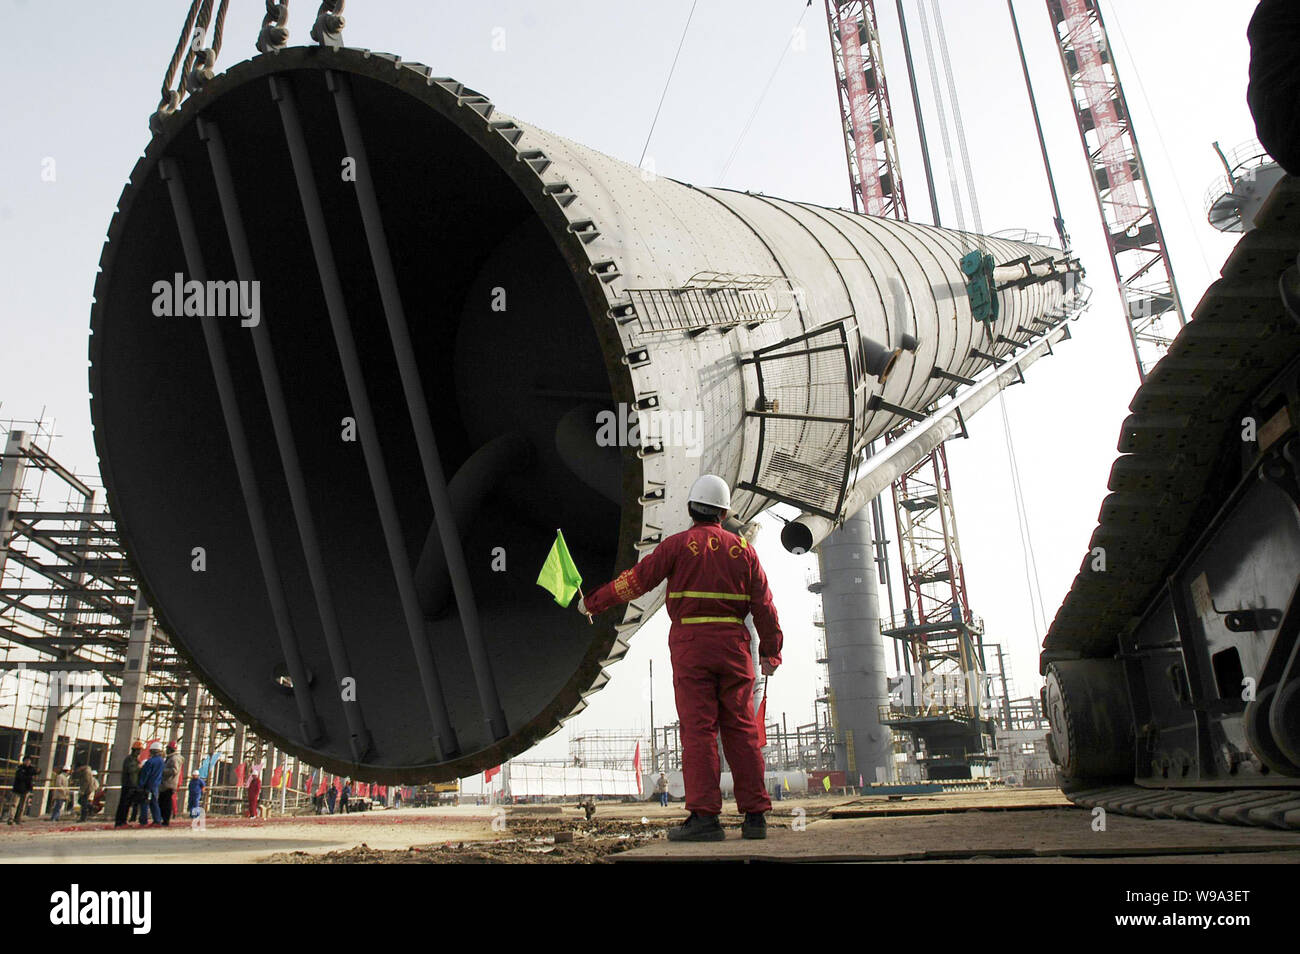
point(45, 768)
point(13, 469)
point(134, 676)
point(189, 742)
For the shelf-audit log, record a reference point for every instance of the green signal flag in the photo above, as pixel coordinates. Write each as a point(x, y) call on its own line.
point(559, 576)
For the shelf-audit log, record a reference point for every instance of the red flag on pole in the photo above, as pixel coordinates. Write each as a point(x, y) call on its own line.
point(275, 776)
point(239, 775)
point(762, 722)
point(491, 773)
point(320, 790)
point(636, 767)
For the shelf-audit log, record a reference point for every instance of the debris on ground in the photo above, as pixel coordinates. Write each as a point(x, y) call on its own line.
point(526, 841)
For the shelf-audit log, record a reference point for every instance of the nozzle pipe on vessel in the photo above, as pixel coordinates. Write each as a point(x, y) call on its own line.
point(806, 531)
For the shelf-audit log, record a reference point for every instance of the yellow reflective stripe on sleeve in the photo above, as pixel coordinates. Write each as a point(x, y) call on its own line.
point(712, 619)
point(702, 595)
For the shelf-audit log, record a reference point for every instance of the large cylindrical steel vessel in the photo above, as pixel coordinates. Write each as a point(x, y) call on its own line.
point(445, 293)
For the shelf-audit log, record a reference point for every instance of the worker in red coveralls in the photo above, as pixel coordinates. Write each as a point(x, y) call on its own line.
point(714, 581)
point(254, 793)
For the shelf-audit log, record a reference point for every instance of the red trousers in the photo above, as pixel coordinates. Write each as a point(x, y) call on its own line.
point(713, 680)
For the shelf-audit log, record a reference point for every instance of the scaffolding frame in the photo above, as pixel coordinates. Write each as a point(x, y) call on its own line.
point(68, 598)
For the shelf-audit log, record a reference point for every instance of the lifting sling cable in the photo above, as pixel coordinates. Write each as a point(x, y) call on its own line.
point(1134, 70)
point(668, 82)
point(1022, 516)
point(731, 157)
point(971, 195)
point(920, 117)
point(943, 116)
point(1059, 220)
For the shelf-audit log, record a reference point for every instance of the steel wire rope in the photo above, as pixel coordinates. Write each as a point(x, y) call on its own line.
point(170, 98)
point(668, 82)
point(1032, 581)
point(761, 96)
point(1164, 149)
point(1061, 232)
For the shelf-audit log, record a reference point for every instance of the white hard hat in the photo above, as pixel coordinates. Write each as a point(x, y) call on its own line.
point(155, 746)
point(711, 490)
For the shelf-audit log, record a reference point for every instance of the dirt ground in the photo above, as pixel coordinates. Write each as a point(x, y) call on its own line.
point(448, 834)
point(1018, 826)
point(548, 838)
point(530, 841)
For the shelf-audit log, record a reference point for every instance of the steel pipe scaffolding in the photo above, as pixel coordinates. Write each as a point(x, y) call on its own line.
point(371, 341)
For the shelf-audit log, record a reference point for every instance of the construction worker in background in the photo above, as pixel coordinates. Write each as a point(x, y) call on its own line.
point(147, 784)
point(24, 781)
point(195, 793)
point(127, 799)
point(97, 796)
point(254, 794)
point(84, 778)
point(714, 581)
point(170, 780)
point(60, 793)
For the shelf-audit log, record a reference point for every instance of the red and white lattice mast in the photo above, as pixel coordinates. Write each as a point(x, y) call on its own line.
point(1153, 310)
point(869, 143)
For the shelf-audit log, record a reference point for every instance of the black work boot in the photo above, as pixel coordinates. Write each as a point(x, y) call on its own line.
point(755, 825)
point(698, 828)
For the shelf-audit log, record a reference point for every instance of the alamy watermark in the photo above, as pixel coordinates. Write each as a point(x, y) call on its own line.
point(77, 907)
point(211, 299)
point(66, 687)
point(628, 427)
point(944, 689)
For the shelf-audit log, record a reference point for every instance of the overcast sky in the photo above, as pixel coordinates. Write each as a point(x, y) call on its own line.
point(80, 84)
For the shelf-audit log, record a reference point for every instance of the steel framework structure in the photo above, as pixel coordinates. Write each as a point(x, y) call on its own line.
point(943, 636)
point(1143, 272)
point(70, 621)
point(928, 542)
